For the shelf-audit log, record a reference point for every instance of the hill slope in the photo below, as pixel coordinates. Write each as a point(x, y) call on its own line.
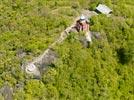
point(104, 71)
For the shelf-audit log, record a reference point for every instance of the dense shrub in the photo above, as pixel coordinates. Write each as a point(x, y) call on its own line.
point(102, 72)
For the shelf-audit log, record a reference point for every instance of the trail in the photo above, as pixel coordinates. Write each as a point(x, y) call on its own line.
point(48, 55)
point(56, 10)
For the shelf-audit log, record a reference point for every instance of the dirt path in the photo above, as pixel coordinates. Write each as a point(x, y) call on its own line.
point(56, 10)
point(35, 64)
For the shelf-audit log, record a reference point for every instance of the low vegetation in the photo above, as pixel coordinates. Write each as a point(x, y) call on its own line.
point(105, 71)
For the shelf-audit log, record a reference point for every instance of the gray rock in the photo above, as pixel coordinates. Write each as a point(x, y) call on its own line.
point(7, 92)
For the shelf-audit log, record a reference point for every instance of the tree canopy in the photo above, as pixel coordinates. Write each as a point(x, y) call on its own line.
point(105, 71)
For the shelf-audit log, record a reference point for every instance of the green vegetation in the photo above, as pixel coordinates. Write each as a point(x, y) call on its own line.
point(105, 71)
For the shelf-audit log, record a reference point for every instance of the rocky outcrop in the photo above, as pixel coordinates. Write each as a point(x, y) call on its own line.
point(49, 56)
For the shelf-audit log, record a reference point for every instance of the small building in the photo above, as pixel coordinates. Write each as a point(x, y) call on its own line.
point(103, 9)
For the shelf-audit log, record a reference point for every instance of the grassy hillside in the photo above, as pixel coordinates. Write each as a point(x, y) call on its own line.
point(105, 71)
